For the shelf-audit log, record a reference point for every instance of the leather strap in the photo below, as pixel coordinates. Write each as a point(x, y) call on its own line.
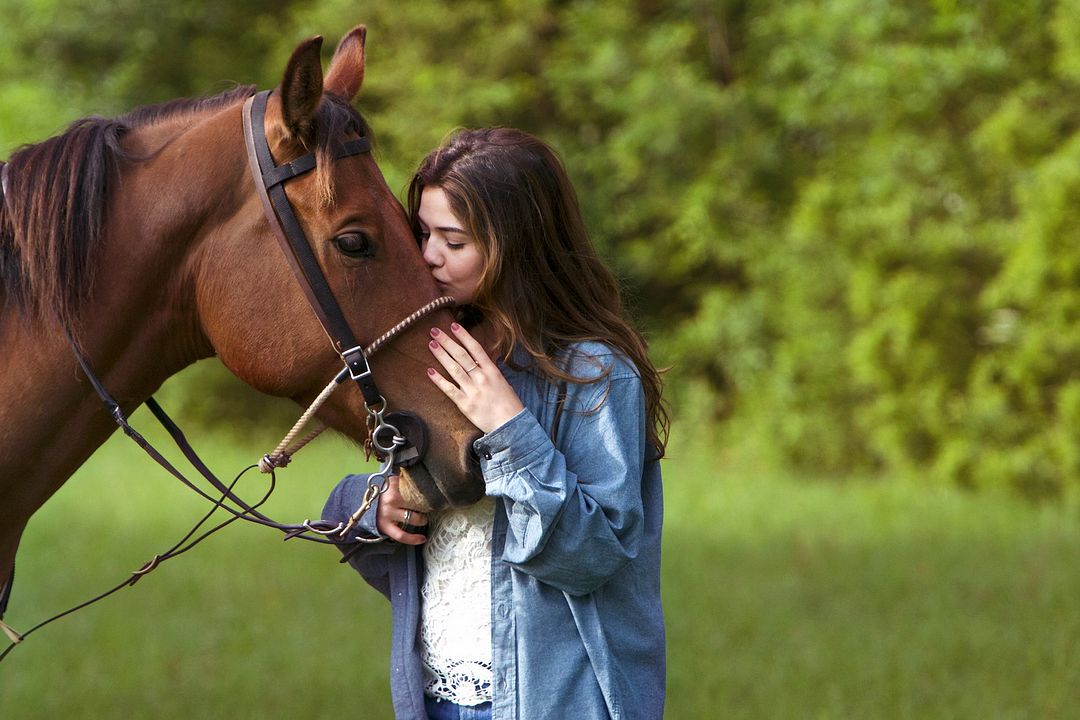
point(299, 166)
point(246, 511)
point(269, 184)
point(5, 592)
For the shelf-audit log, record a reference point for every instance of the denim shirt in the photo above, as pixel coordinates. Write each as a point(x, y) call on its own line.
point(577, 628)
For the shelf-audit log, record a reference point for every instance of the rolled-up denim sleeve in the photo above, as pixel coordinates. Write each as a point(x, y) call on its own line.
point(371, 559)
point(574, 519)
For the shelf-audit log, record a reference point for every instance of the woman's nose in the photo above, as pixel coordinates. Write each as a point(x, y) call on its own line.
point(431, 257)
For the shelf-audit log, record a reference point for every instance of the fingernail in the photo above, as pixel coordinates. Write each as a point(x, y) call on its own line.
point(433, 345)
point(431, 372)
point(455, 327)
point(435, 332)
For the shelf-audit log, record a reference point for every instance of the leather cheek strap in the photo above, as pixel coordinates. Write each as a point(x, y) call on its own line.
point(269, 184)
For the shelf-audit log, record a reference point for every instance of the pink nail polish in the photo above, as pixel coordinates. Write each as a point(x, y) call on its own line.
point(435, 332)
point(455, 327)
point(431, 372)
point(433, 345)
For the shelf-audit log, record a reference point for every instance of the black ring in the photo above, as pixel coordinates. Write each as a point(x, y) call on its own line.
point(414, 529)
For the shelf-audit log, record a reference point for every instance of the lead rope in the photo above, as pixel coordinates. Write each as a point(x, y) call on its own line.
point(282, 454)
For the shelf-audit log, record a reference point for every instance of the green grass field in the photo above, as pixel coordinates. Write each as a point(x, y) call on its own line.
point(784, 599)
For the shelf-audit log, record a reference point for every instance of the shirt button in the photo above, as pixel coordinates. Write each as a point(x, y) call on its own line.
point(504, 611)
point(486, 452)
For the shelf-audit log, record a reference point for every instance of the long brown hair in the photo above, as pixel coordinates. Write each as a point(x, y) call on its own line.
point(542, 284)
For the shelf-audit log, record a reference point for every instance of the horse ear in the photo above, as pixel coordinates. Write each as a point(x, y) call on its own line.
point(301, 87)
point(346, 73)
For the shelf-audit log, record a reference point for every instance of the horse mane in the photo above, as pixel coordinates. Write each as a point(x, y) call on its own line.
point(52, 220)
point(54, 210)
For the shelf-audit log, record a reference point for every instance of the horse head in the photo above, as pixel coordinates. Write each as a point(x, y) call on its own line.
point(143, 240)
point(254, 313)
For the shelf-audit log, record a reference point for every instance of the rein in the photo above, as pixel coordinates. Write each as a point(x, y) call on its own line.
point(389, 444)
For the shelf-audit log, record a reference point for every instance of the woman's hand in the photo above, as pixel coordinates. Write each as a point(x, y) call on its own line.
point(476, 385)
point(393, 517)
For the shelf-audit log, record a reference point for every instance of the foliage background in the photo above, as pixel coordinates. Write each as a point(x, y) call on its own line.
point(844, 223)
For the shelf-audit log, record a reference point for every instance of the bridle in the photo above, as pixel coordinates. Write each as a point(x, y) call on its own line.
point(270, 179)
point(390, 445)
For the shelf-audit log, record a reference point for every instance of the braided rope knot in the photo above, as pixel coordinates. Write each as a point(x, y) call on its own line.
point(269, 462)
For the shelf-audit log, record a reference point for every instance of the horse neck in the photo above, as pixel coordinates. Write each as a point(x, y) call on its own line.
point(144, 326)
point(140, 326)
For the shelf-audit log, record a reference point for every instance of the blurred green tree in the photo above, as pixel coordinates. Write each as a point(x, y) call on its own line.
point(845, 223)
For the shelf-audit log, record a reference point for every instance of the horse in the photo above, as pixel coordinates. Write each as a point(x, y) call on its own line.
point(142, 242)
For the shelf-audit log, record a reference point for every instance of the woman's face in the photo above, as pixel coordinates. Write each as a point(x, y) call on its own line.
point(449, 251)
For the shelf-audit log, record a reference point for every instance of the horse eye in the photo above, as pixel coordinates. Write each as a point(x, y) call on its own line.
point(355, 244)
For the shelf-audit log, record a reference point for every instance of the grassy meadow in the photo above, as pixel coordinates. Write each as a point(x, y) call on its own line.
point(784, 598)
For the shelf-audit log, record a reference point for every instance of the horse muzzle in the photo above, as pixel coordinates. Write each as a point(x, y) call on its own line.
point(425, 485)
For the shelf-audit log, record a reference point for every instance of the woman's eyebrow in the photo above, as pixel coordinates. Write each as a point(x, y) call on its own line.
point(451, 229)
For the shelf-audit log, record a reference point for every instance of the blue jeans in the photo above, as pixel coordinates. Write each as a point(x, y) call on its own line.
point(446, 710)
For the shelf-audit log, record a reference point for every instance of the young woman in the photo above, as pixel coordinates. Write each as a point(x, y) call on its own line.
point(543, 599)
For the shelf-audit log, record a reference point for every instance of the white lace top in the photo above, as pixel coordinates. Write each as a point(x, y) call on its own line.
point(455, 612)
